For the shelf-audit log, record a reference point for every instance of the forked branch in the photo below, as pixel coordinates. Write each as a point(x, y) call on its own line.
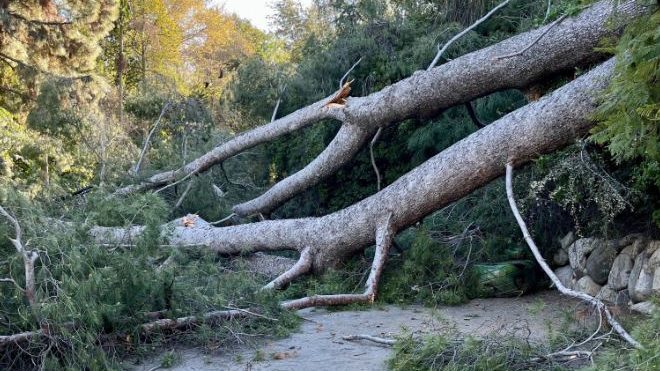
point(384, 235)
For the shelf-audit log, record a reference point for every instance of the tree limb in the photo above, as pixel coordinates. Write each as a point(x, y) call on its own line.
point(345, 145)
point(548, 271)
point(29, 258)
point(373, 160)
point(145, 146)
point(384, 235)
point(529, 46)
point(302, 266)
point(428, 93)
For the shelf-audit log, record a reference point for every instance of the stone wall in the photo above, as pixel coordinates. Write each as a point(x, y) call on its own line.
point(623, 272)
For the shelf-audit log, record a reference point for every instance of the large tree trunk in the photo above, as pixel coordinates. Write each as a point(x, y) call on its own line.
point(540, 127)
point(548, 50)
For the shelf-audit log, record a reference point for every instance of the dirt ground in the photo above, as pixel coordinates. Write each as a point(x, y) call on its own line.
point(318, 344)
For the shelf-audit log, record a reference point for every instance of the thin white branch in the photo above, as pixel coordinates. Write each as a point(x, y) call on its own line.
point(546, 268)
point(223, 219)
point(302, 266)
point(16, 241)
point(277, 105)
point(175, 183)
point(373, 159)
point(536, 40)
point(138, 165)
point(185, 193)
point(29, 257)
point(460, 34)
point(343, 78)
point(547, 11)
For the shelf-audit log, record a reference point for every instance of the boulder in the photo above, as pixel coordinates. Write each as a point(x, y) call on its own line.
point(636, 247)
point(565, 275)
point(588, 286)
point(578, 251)
point(607, 294)
point(645, 307)
point(599, 263)
point(654, 265)
point(560, 258)
point(620, 272)
point(640, 282)
point(622, 298)
point(567, 240)
point(626, 241)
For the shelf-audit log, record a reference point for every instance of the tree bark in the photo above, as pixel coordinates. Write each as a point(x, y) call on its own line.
point(426, 93)
point(537, 128)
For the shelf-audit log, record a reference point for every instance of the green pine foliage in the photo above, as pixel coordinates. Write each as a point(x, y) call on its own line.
point(94, 298)
point(629, 114)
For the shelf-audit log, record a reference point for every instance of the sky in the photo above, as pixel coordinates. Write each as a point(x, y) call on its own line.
point(256, 11)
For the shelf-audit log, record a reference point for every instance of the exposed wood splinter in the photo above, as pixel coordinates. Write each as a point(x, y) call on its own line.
point(340, 98)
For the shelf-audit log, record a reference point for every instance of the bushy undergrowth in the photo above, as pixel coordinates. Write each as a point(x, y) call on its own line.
point(507, 351)
point(92, 299)
point(444, 353)
point(647, 332)
point(427, 272)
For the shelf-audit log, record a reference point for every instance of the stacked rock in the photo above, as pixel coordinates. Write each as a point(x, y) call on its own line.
point(625, 271)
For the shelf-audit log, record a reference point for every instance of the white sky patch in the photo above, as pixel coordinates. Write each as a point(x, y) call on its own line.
point(256, 11)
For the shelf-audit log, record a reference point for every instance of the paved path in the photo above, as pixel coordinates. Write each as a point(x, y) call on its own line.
point(318, 345)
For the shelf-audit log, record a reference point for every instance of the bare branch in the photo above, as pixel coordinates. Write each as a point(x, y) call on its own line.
point(465, 31)
point(343, 78)
point(546, 268)
point(184, 194)
point(29, 257)
point(348, 141)
point(145, 146)
point(277, 105)
point(223, 219)
point(547, 11)
point(536, 40)
point(373, 160)
point(462, 80)
point(16, 241)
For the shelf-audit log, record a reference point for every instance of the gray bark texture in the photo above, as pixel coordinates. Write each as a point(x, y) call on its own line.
point(541, 127)
point(563, 46)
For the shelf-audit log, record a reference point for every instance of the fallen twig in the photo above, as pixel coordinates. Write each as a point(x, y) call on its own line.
point(388, 342)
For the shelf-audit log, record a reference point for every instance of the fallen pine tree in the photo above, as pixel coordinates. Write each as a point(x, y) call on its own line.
point(518, 62)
